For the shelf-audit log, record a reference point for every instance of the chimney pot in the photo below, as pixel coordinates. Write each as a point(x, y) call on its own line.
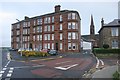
point(57, 8)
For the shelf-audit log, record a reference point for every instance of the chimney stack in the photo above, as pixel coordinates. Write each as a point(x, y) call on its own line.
point(102, 22)
point(57, 8)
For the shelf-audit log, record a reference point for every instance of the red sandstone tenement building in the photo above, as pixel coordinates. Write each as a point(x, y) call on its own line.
point(60, 30)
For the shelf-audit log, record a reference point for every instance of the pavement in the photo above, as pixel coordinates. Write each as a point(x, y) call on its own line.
point(106, 72)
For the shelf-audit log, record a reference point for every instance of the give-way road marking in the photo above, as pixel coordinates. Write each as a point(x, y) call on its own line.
point(66, 67)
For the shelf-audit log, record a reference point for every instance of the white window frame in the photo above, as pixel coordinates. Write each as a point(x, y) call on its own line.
point(60, 17)
point(73, 45)
point(60, 26)
point(69, 46)
point(69, 25)
point(45, 28)
point(48, 35)
point(34, 23)
point(52, 19)
point(52, 45)
point(48, 28)
point(48, 19)
point(114, 31)
point(69, 35)
point(40, 37)
point(61, 36)
point(45, 36)
point(48, 46)
point(60, 46)
point(52, 27)
point(114, 44)
point(52, 36)
point(73, 15)
point(69, 16)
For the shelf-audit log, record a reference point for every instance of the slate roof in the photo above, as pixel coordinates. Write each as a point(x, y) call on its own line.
point(49, 14)
point(114, 23)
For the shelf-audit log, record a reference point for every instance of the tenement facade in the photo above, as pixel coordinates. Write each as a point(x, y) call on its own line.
point(59, 30)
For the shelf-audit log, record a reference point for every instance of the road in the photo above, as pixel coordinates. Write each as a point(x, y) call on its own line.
point(72, 65)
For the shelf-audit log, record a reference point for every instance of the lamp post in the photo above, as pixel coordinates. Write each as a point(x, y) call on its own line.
point(21, 38)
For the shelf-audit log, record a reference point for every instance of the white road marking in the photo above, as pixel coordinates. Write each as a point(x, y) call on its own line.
point(27, 66)
point(102, 62)
point(1, 75)
point(10, 71)
point(7, 64)
point(63, 62)
point(67, 67)
point(98, 62)
point(4, 68)
point(12, 68)
point(2, 72)
point(9, 75)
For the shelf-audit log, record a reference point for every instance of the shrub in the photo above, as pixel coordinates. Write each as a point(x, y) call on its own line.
point(116, 76)
point(106, 46)
point(34, 53)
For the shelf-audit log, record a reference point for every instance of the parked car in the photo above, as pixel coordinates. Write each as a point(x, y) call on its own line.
point(21, 49)
point(11, 49)
point(52, 52)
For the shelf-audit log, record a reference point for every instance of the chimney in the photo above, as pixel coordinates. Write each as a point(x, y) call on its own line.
point(102, 22)
point(26, 18)
point(57, 8)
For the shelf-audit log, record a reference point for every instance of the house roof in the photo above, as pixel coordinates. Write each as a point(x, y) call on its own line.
point(49, 14)
point(114, 23)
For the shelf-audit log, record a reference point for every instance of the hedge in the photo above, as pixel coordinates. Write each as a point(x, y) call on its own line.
point(102, 51)
point(34, 53)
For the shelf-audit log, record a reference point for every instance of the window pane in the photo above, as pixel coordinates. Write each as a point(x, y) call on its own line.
point(45, 28)
point(69, 16)
point(48, 28)
point(73, 15)
point(52, 19)
point(73, 35)
point(73, 25)
point(52, 27)
point(52, 36)
point(69, 35)
point(60, 26)
point(48, 36)
point(69, 46)
point(114, 31)
point(48, 19)
point(37, 37)
point(60, 46)
point(114, 44)
point(40, 37)
point(61, 36)
point(73, 46)
point(48, 45)
point(45, 36)
point(69, 25)
point(52, 45)
point(60, 17)
point(45, 45)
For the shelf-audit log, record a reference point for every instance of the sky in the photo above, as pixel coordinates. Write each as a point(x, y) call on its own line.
point(12, 10)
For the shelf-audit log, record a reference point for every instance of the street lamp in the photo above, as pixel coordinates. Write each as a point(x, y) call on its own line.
point(21, 38)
